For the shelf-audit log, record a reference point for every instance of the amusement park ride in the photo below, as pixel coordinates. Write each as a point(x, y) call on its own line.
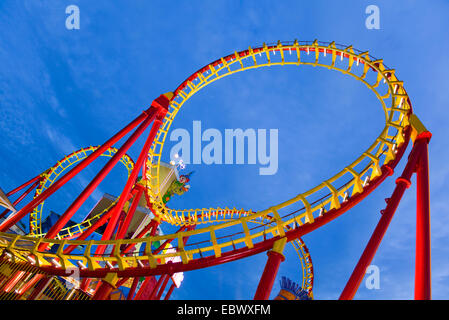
point(133, 260)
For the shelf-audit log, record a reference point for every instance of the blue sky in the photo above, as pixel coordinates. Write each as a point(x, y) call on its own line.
point(61, 90)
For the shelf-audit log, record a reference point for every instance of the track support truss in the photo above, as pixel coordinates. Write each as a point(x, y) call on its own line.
point(418, 162)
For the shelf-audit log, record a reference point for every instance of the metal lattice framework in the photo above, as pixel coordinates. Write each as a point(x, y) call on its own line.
point(228, 234)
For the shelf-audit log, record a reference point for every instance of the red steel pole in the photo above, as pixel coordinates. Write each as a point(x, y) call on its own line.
point(132, 290)
point(423, 263)
point(62, 221)
point(103, 291)
point(8, 223)
point(25, 193)
point(20, 198)
point(142, 289)
point(132, 178)
point(161, 290)
point(124, 227)
point(269, 275)
point(157, 286)
point(37, 178)
point(158, 110)
point(121, 282)
point(170, 291)
point(402, 183)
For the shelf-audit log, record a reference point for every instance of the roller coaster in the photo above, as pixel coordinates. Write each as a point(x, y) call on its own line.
point(38, 265)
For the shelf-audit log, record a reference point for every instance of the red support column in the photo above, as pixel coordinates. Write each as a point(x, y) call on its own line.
point(84, 285)
point(160, 107)
point(12, 220)
point(170, 291)
point(402, 183)
point(423, 263)
point(106, 287)
point(124, 227)
point(103, 292)
point(161, 290)
point(275, 257)
point(132, 290)
point(119, 225)
point(157, 286)
point(121, 282)
point(35, 179)
point(143, 288)
point(21, 197)
point(96, 181)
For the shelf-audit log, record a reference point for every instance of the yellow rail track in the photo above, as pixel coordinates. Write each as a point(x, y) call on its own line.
point(215, 238)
